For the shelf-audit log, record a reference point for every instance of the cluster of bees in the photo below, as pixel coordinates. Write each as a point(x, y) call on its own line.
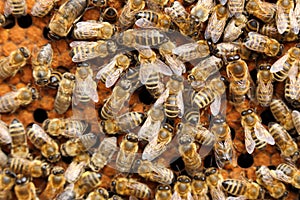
point(192, 60)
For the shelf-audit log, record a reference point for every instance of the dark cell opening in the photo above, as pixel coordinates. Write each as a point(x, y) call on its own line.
point(253, 75)
point(46, 32)
point(24, 21)
point(40, 115)
point(272, 167)
point(67, 160)
point(177, 165)
point(267, 117)
point(232, 132)
point(245, 160)
point(144, 96)
point(10, 22)
point(210, 161)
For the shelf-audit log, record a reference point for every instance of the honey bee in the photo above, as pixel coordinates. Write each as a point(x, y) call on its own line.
point(86, 183)
point(111, 72)
point(199, 187)
point(155, 85)
point(25, 189)
point(263, 44)
point(234, 28)
point(41, 65)
point(243, 188)
point(74, 171)
point(283, 67)
point(296, 120)
point(216, 23)
point(255, 133)
point(214, 181)
point(288, 173)
point(158, 144)
point(172, 99)
point(122, 123)
point(5, 137)
point(93, 29)
point(263, 10)
point(177, 13)
point(7, 181)
point(126, 18)
point(252, 25)
point(55, 185)
point(188, 151)
point(4, 159)
point(48, 147)
point(75, 146)
point(17, 8)
point(202, 9)
point(85, 87)
point(154, 172)
point(86, 50)
point(110, 14)
point(275, 188)
point(99, 193)
point(42, 8)
point(282, 113)
point(192, 51)
point(288, 147)
point(54, 80)
point(236, 7)
point(130, 187)
point(163, 192)
point(210, 94)
point(182, 188)
point(264, 90)
point(67, 194)
point(285, 17)
point(291, 90)
point(35, 168)
point(103, 154)
point(271, 31)
point(128, 149)
point(67, 15)
point(10, 65)
point(64, 94)
point(151, 18)
point(223, 147)
point(226, 50)
point(19, 146)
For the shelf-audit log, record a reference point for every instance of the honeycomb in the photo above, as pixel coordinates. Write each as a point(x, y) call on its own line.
point(39, 110)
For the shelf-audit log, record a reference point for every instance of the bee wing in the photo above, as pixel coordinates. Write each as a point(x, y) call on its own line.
point(234, 6)
point(106, 67)
point(74, 170)
point(162, 98)
point(278, 65)
point(161, 67)
point(145, 71)
point(215, 28)
point(253, 36)
point(176, 65)
point(40, 133)
point(293, 71)
point(175, 196)
point(88, 28)
point(217, 193)
point(144, 23)
point(263, 134)
point(215, 106)
point(5, 136)
point(297, 12)
point(180, 103)
point(237, 198)
point(278, 174)
point(223, 2)
point(295, 117)
point(7, 8)
point(249, 142)
point(108, 147)
point(112, 78)
point(87, 86)
point(293, 22)
point(184, 49)
point(190, 196)
point(150, 129)
point(281, 20)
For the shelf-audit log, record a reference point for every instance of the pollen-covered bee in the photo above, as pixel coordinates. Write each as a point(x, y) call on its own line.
point(99, 193)
point(48, 147)
point(159, 143)
point(93, 29)
point(67, 15)
point(296, 120)
point(75, 146)
point(10, 65)
point(122, 123)
point(85, 87)
point(5, 137)
point(264, 89)
point(214, 181)
point(34, 168)
point(41, 65)
point(147, 18)
point(24, 188)
point(263, 44)
point(243, 188)
point(127, 153)
point(202, 9)
point(103, 153)
point(86, 183)
point(234, 28)
point(163, 192)
point(275, 188)
point(210, 94)
point(55, 185)
point(199, 187)
point(7, 181)
point(17, 8)
point(282, 113)
point(216, 23)
point(154, 171)
point(288, 147)
point(223, 147)
point(74, 171)
point(256, 135)
point(19, 146)
point(42, 7)
point(182, 188)
point(286, 20)
point(188, 151)
point(11, 101)
point(111, 72)
point(130, 187)
point(64, 94)
point(287, 173)
point(263, 10)
point(286, 65)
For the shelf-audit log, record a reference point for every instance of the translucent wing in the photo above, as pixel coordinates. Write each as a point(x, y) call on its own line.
point(281, 21)
point(112, 78)
point(74, 170)
point(223, 2)
point(150, 129)
point(217, 194)
point(176, 65)
point(88, 28)
point(256, 38)
point(161, 67)
point(180, 103)
point(297, 13)
point(145, 71)
point(187, 52)
point(215, 106)
point(237, 198)
point(295, 117)
point(40, 133)
point(106, 68)
point(144, 23)
point(263, 134)
point(162, 99)
point(282, 176)
point(293, 22)
point(215, 28)
point(81, 50)
point(278, 65)
point(7, 8)
point(234, 6)
point(87, 86)
point(249, 142)
point(190, 197)
point(176, 196)
point(293, 72)
point(5, 136)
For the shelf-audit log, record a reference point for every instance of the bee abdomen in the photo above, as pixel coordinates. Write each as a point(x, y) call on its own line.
point(204, 97)
point(234, 187)
point(171, 107)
